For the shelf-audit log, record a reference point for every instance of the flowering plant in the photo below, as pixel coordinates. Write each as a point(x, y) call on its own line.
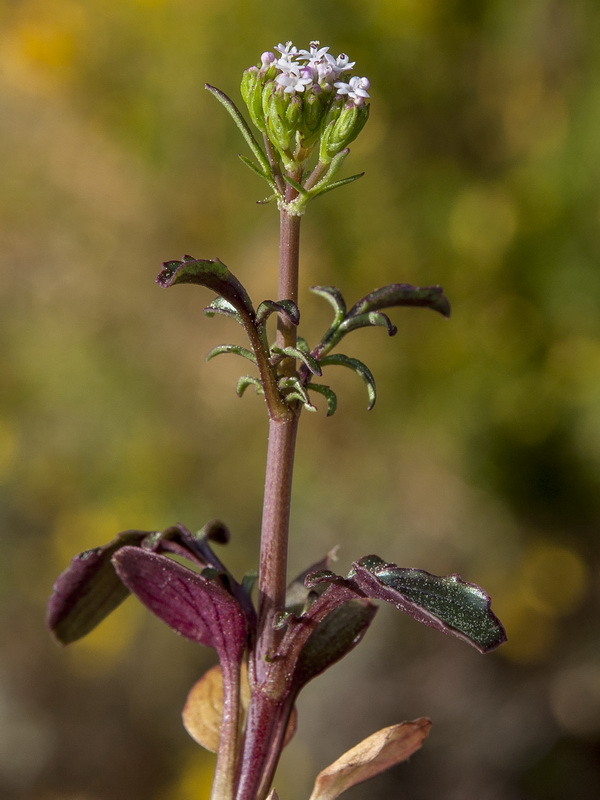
point(308, 108)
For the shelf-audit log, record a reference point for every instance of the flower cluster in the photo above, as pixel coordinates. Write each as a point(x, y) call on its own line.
point(303, 98)
point(301, 70)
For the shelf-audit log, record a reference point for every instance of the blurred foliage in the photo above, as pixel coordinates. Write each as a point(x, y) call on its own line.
point(481, 457)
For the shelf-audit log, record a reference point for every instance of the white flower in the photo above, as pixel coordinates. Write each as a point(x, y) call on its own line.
point(356, 89)
point(340, 64)
point(315, 53)
point(287, 49)
point(295, 79)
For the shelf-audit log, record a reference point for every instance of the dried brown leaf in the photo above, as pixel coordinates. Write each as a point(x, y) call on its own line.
point(368, 758)
point(203, 709)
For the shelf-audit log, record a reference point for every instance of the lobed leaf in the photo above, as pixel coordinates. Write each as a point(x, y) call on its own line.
point(368, 319)
point(333, 296)
point(403, 294)
point(221, 306)
point(236, 349)
point(447, 603)
point(212, 274)
point(296, 353)
point(288, 308)
point(329, 395)
point(88, 590)
point(247, 380)
point(357, 366)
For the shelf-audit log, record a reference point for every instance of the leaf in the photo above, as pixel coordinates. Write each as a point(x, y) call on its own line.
point(333, 296)
point(448, 603)
point(245, 381)
point(212, 274)
point(295, 352)
point(361, 370)
point(332, 639)
point(203, 709)
point(370, 318)
point(373, 755)
point(297, 593)
point(273, 795)
point(236, 349)
point(221, 306)
point(292, 389)
point(329, 395)
point(288, 308)
point(403, 294)
point(245, 130)
point(337, 184)
point(194, 605)
point(88, 590)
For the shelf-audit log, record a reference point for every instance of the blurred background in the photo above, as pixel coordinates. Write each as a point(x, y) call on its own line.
point(482, 456)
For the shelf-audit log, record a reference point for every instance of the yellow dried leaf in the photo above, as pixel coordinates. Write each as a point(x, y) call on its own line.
point(373, 755)
point(203, 709)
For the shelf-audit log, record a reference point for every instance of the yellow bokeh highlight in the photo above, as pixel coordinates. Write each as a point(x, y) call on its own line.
point(9, 448)
point(554, 579)
point(195, 778)
point(550, 583)
point(483, 223)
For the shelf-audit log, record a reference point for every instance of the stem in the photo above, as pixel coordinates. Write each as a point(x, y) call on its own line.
point(289, 244)
point(272, 576)
point(223, 782)
point(270, 706)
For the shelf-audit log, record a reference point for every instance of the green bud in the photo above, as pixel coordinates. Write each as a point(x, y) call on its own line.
point(343, 123)
point(251, 90)
point(274, 107)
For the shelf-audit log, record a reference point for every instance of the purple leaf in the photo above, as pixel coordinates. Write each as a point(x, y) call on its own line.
point(211, 273)
point(403, 294)
point(448, 603)
point(197, 606)
point(88, 590)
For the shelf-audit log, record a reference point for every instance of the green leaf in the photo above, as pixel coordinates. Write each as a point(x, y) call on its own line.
point(447, 603)
point(286, 307)
point(292, 389)
point(336, 184)
point(357, 366)
point(335, 297)
point(221, 306)
point(403, 294)
point(294, 352)
point(212, 274)
point(244, 128)
point(370, 318)
point(329, 395)
point(245, 381)
point(231, 348)
point(251, 165)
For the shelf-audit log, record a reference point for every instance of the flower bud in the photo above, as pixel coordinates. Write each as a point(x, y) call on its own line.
point(251, 90)
point(342, 125)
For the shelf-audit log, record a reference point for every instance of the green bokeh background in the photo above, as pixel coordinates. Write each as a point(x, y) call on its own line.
point(482, 456)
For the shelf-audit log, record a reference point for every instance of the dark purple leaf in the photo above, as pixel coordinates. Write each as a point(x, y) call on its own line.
point(333, 638)
point(448, 603)
point(197, 606)
point(88, 590)
point(211, 273)
point(403, 294)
